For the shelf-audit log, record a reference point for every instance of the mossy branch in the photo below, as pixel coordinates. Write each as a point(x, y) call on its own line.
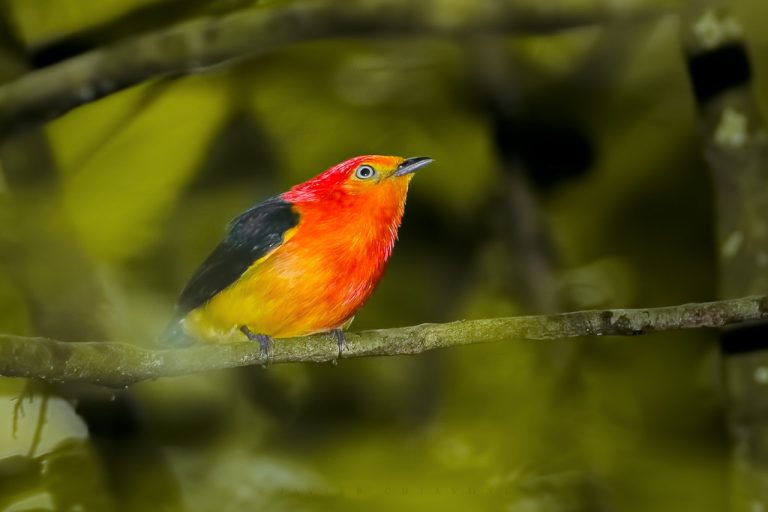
point(199, 44)
point(119, 364)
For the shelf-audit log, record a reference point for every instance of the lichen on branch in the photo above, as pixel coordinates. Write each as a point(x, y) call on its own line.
point(115, 364)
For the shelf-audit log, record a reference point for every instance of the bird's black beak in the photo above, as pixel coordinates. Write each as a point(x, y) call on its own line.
point(410, 165)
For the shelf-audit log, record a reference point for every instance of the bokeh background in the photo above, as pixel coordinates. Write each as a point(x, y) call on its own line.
point(568, 175)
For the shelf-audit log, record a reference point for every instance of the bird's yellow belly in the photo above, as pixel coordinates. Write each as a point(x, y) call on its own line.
point(282, 298)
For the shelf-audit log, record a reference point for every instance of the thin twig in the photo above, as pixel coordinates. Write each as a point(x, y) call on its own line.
point(115, 364)
point(192, 46)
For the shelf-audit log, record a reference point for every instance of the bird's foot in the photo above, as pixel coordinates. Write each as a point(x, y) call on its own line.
point(341, 340)
point(265, 343)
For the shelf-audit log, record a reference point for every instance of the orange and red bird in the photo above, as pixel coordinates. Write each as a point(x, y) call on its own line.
point(304, 261)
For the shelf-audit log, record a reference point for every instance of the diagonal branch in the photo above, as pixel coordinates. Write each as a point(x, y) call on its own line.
point(188, 47)
point(118, 364)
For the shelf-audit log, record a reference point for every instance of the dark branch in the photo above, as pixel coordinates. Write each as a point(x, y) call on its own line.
point(50, 92)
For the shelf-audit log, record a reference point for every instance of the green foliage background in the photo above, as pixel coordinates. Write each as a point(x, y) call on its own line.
point(106, 211)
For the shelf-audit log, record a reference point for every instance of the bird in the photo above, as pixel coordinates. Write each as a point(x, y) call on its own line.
point(301, 262)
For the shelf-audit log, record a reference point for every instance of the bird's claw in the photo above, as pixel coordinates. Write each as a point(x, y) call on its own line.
point(265, 347)
point(341, 341)
point(265, 343)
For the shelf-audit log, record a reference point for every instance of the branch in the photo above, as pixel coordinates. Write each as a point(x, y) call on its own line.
point(118, 364)
point(188, 47)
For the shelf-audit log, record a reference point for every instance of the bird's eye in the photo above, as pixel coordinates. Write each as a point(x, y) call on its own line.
point(365, 172)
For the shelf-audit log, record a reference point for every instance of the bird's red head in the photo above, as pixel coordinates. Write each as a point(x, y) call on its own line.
point(369, 178)
point(353, 211)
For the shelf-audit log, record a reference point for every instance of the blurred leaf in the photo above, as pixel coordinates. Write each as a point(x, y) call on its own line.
point(43, 443)
point(41, 20)
point(114, 199)
point(18, 431)
point(78, 136)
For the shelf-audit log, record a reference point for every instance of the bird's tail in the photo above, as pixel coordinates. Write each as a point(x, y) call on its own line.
point(174, 335)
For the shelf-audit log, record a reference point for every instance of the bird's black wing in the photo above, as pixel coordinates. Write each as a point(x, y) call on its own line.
point(250, 236)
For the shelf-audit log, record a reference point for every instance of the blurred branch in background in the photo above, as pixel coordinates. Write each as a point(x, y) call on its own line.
point(118, 364)
point(736, 149)
point(55, 296)
point(529, 270)
point(193, 46)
